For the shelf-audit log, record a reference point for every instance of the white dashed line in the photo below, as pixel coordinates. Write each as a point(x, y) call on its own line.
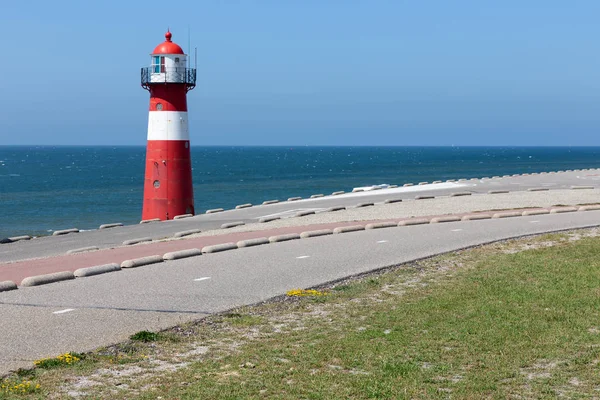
point(301, 257)
point(456, 230)
point(382, 241)
point(66, 310)
point(202, 279)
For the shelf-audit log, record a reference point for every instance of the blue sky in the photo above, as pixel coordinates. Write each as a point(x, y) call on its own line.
point(309, 72)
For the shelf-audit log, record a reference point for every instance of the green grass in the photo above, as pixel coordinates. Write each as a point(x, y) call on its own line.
point(476, 324)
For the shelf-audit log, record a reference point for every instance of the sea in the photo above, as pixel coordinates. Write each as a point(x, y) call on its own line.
point(46, 188)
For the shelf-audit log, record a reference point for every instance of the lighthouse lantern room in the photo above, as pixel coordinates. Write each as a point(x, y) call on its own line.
point(168, 190)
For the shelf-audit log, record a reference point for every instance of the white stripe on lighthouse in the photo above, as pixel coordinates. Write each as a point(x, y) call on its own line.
point(168, 125)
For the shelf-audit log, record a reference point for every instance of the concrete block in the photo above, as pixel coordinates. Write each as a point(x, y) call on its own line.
point(581, 187)
point(415, 221)
point(506, 176)
point(304, 213)
point(283, 238)
point(338, 208)
point(320, 232)
point(449, 218)
point(392, 186)
point(361, 205)
point(270, 202)
point(495, 177)
point(538, 189)
point(507, 214)
point(516, 174)
point(183, 216)
point(214, 210)
point(357, 190)
point(560, 210)
point(65, 231)
point(338, 193)
point(589, 208)
point(423, 183)
point(108, 226)
point(436, 182)
point(186, 233)
point(316, 196)
point(5, 286)
point(138, 262)
point(535, 212)
point(136, 241)
point(391, 201)
point(18, 238)
point(83, 250)
point(408, 184)
point(176, 255)
point(232, 224)
point(475, 217)
point(458, 194)
point(239, 207)
point(294, 198)
point(450, 180)
point(381, 225)
point(423, 197)
point(96, 270)
point(497, 191)
point(252, 242)
point(268, 219)
point(48, 278)
point(147, 221)
point(216, 248)
point(346, 229)
point(376, 188)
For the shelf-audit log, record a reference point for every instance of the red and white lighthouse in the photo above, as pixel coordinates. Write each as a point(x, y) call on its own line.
point(168, 190)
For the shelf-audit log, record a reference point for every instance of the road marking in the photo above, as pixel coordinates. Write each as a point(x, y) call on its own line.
point(533, 222)
point(202, 279)
point(382, 241)
point(301, 257)
point(66, 310)
point(456, 230)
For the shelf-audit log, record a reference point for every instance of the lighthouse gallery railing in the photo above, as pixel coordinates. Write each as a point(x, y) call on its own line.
point(169, 75)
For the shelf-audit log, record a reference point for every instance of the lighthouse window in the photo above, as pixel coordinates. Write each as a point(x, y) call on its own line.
point(158, 64)
point(176, 59)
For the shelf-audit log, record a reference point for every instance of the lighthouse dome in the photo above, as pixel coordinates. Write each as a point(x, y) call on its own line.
point(168, 47)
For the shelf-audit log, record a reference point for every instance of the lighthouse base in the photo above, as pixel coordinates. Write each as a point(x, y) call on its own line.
point(168, 189)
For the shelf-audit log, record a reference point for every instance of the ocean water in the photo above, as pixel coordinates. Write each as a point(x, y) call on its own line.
point(45, 188)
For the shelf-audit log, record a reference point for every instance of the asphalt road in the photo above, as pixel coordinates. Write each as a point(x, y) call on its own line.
point(108, 238)
point(83, 314)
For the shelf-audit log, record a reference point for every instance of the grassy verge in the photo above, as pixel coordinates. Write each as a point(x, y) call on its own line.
point(518, 319)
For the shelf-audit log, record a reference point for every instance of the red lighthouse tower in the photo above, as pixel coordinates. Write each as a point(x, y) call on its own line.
point(168, 190)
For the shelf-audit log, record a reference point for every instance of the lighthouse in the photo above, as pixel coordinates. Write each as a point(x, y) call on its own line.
point(168, 190)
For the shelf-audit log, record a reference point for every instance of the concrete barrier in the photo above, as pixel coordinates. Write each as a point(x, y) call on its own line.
point(450, 180)
point(48, 278)
point(316, 196)
point(462, 180)
point(65, 232)
point(147, 221)
point(423, 197)
point(5, 286)
point(375, 188)
point(136, 241)
point(216, 248)
point(183, 216)
point(560, 210)
point(449, 218)
point(357, 190)
point(108, 226)
point(270, 202)
point(475, 217)
point(436, 182)
point(138, 262)
point(284, 238)
point(252, 242)
point(381, 225)
point(232, 224)
point(186, 233)
point(423, 183)
point(535, 212)
point(458, 194)
point(337, 208)
point(346, 229)
point(320, 232)
point(415, 221)
point(361, 205)
point(508, 214)
point(214, 210)
point(392, 186)
point(338, 193)
point(19, 238)
point(83, 250)
point(408, 184)
point(97, 270)
point(268, 219)
point(176, 255)
point(498, 191)
point(539, 189)
point(304, 213)
point(581, 187)
point(495, 177)
point(294, 198)
point(391, 201)
point(589, 208)
point(240, 206)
